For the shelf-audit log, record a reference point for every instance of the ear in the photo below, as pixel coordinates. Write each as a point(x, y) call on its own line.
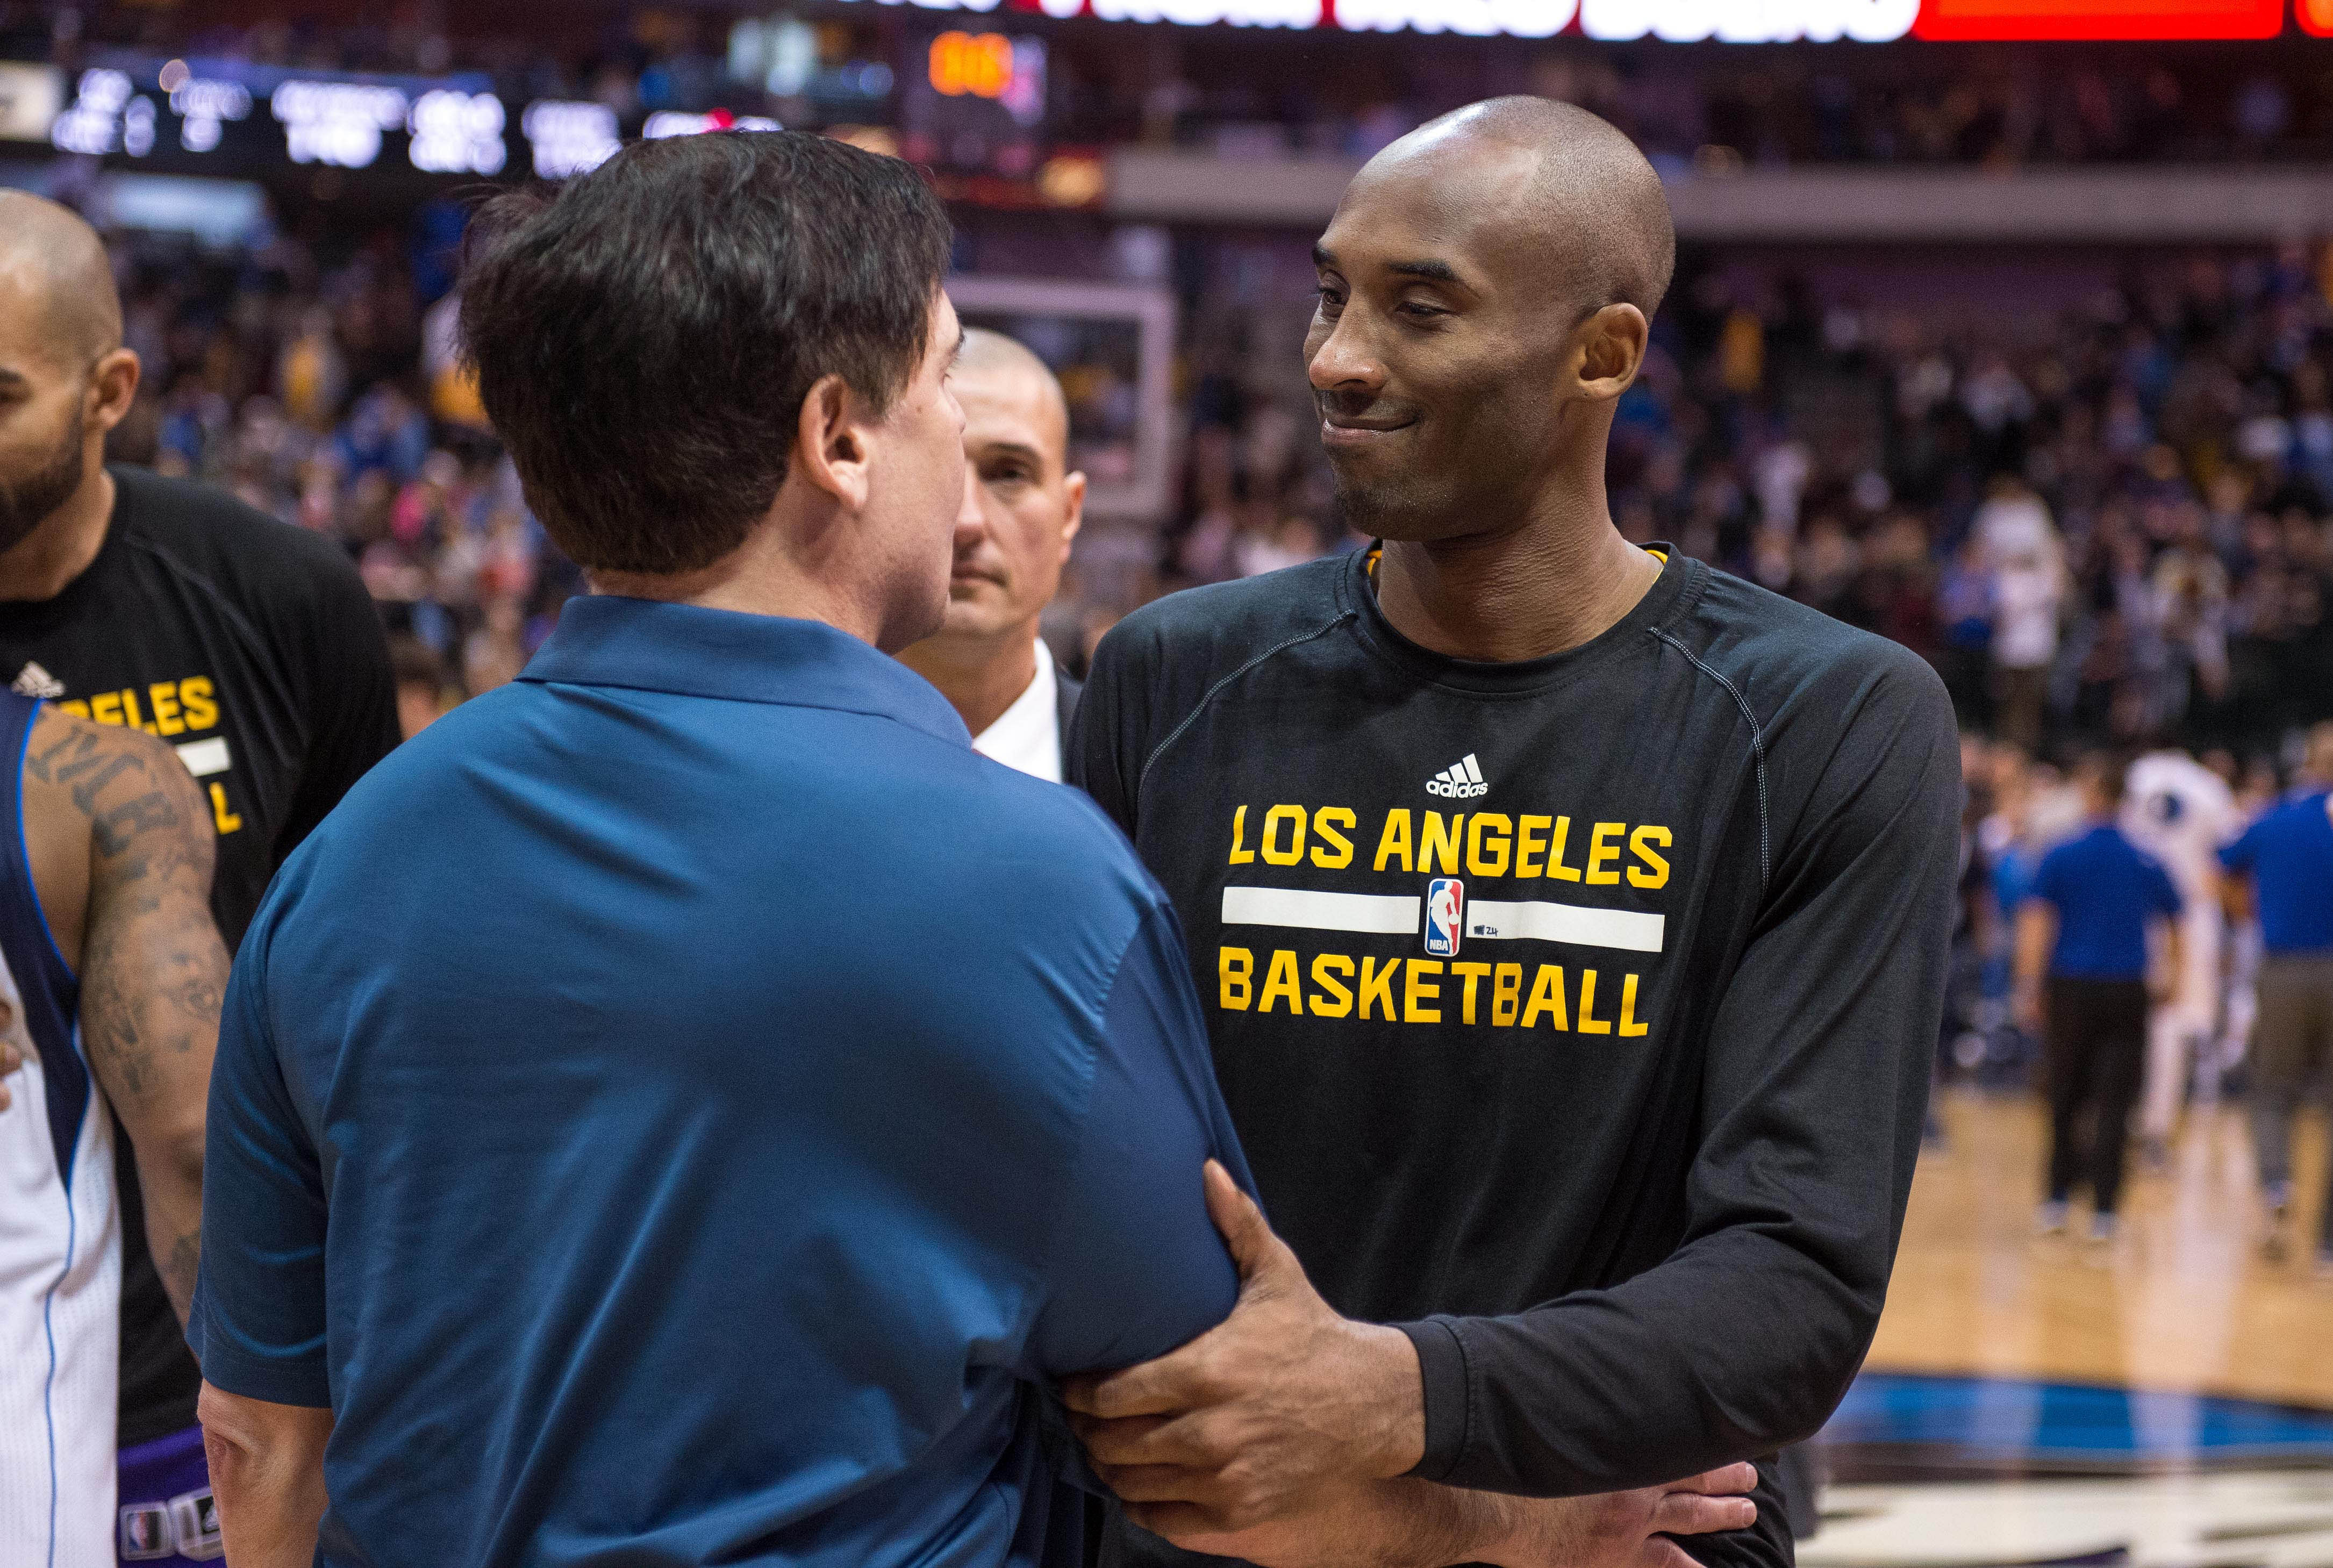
point(113, 383)
point(1073, 493)
point(831, 450)
point(1612, 345)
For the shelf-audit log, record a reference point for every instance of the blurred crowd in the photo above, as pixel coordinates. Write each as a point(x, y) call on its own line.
point(1718, 109)
point(2108, 522)
point(326, 393)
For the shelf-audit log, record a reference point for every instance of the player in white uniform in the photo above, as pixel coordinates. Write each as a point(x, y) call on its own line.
point(2181, 812)
point(109, 877)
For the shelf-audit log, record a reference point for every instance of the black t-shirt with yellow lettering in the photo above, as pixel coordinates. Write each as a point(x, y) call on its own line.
point(252, 647)
point(1575, 1015)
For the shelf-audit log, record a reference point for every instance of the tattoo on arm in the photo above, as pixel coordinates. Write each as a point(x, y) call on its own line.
point(153, 968)
point(180, 1266)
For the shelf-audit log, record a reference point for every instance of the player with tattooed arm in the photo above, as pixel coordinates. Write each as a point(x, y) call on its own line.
point(111, 975)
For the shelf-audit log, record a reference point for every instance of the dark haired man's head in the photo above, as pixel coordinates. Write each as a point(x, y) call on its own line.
point(1485, 290)
point(2100, 776)
point(701, 323)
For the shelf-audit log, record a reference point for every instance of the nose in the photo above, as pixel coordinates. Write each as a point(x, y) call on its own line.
point(1346, 361)
point(971, 522)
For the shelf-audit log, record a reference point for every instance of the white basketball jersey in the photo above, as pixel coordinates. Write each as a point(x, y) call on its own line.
point(2181, 812)
point(60, 1290)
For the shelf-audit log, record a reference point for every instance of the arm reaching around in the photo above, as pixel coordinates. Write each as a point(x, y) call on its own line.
point(1332, 1376)
point(1414, 1524)
point(151, 963)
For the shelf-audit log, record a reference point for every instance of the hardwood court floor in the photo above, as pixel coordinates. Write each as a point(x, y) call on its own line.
point(2180, 1302)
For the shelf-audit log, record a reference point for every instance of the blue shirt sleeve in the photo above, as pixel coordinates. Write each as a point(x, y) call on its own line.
point(2161, 892)
point(1137, 1267)
point(258, 1321)
point(2049, 878)
point(2244, 853)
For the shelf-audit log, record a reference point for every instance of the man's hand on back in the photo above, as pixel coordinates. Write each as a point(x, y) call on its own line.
point(1281, 1403)
point(1413, 1523)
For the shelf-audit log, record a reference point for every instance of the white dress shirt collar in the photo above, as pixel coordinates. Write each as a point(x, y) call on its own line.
point(1028, 734)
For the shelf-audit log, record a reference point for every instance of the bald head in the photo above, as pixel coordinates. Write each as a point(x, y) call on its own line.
point(991, 362)
point(1485, 290)
point(53, 266)
point(1577, 184)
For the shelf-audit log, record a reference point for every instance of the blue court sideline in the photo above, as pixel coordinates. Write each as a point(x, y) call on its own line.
point(1900, 1426)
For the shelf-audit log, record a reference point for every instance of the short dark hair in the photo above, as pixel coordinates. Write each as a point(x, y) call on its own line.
point(2106, 769)
point(645, 336)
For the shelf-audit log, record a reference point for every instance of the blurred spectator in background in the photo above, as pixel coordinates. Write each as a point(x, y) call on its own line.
point(2181, 812)
point(2283, 867)
point(2083, 929)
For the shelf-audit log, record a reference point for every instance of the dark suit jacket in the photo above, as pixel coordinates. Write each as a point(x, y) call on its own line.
point(1065, 708)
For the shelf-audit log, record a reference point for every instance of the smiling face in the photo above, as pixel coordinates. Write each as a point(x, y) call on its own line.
point(1435, 376)
point(1476, 321)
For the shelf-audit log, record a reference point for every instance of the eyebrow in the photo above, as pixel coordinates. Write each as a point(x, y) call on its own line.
point(1014, 450)
point(1438, 272)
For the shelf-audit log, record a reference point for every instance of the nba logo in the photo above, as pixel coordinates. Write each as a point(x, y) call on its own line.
point(146, 1533)
point(1446, 916)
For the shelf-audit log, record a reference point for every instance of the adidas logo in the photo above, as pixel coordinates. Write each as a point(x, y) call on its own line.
point(34, 681)
point(1462, 779)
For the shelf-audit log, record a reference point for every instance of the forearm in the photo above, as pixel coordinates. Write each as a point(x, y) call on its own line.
point(1398, 1523)
point(172, 1177)
point(267, 1473)
point(1412, 1523)
point(2037, 930)
point(1738, 1346)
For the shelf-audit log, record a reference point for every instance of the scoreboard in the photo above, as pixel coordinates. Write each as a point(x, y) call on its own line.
point(1731, 21)
point(211, 117)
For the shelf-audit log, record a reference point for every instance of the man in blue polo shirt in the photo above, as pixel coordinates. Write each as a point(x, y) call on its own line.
point(2084, 924)
point(686, 1106)
point(2287, 859)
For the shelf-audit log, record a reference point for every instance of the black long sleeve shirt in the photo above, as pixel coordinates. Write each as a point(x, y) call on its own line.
point(1575, 1013)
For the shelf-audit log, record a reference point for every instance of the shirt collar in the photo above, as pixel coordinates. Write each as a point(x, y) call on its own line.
point(645, 645)
point(1028, 734)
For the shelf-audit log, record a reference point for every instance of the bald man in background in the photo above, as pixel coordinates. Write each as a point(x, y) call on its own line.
point(1572, 919)
point(1021, 508)
point(248, 645)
